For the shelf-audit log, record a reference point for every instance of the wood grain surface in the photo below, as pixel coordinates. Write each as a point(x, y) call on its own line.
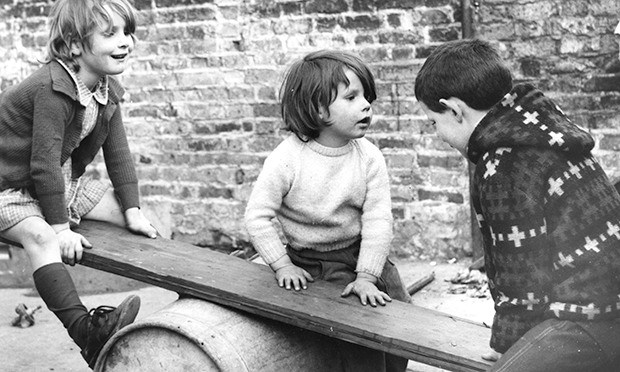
point(407, 330)
point(414, 332)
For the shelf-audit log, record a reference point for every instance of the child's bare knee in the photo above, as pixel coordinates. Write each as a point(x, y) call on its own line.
point(44, 238)
point(39, 236)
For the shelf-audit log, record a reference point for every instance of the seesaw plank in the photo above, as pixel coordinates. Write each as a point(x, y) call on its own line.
point(407, 330)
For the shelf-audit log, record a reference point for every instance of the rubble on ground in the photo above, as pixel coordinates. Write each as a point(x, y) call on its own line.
point(473, 283)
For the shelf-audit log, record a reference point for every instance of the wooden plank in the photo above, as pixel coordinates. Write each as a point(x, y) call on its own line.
point(407, 330)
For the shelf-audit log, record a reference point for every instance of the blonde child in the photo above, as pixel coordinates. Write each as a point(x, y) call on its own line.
point(328, 187)
point(51, 126)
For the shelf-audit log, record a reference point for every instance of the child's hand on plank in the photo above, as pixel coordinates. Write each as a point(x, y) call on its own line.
point(364, 287)
point(137, 223)
point(289, 275)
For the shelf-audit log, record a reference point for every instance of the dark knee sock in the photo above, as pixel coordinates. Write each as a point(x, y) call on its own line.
point(57, 290)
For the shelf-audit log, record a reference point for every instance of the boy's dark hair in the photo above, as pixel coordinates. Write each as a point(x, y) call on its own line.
point(76, 20)
point(312, 83)
point(470, 70)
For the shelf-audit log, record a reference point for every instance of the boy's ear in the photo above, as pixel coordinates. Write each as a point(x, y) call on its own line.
point(323, 113)
point(452, 104)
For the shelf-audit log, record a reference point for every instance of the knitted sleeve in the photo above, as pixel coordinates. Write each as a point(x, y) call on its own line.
point(376, 215)
point(517, 249)
point(119, 162)
point(50, 114)
point(270, 188)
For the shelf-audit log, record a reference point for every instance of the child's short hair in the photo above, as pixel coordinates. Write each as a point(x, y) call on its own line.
point(312, 83)
point(470, 70)
point(76, 20)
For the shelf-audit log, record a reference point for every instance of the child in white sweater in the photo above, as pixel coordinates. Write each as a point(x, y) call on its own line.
point(329, 189)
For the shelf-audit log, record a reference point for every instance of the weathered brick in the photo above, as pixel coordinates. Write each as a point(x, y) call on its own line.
point(394, 20)
point(214, 191)
point(326, 6)
point(374, 54)
point(444, 34)
point(151, 189)
point(178, 3)
point(400, 159)
point(285, 26)
point(450, 197)
point(400, 37)
point(435, 17)
point(326, 23)
point(610, 142)
point(399, 4)
point(603, 83)
point(530, 67)
point(215, 127)
point(447, 161)
point(380, 125)
point(201, 111)
point(362, 22)
point(261, 75)
point(266, 109)
point(142, 4)
point(398, 72)
point(361, 39)
point(266, 9)
point(405, 53)
point(292, 8)
point(263, 94)
point(363, 5)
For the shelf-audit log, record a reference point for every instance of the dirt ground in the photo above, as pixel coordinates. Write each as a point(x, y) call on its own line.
point(46, 346)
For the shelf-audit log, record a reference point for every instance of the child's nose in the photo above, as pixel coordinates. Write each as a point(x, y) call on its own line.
point(367, 106)
point(126, 41)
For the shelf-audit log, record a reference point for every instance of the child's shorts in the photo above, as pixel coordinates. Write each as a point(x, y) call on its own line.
point(81, 195)
point(339, 267)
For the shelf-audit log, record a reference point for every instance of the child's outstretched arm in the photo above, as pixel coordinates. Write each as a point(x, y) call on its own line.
point(289, 275)
point(137, 223)
point(376, 232)
point(364, 287)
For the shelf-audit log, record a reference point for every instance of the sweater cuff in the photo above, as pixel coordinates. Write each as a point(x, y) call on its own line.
point(269, 247)
point(371, 264)
point(54, 208)
point(128, 195)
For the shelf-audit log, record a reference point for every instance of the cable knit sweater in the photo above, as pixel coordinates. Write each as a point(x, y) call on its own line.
point(324, 199)
point(40, 125)
point(549, 217)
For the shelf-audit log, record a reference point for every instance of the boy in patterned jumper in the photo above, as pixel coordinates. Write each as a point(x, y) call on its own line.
point(549, 217)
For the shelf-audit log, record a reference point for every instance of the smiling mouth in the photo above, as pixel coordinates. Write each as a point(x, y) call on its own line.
point(120, 56)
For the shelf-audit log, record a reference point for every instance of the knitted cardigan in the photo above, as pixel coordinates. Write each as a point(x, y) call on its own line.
point(324, 199)
point(549, 217)
point(40, 124)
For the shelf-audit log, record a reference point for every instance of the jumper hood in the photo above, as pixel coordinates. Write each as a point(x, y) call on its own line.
point(526, 118)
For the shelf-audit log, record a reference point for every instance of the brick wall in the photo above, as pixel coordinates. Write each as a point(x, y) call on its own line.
point(202, 111)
